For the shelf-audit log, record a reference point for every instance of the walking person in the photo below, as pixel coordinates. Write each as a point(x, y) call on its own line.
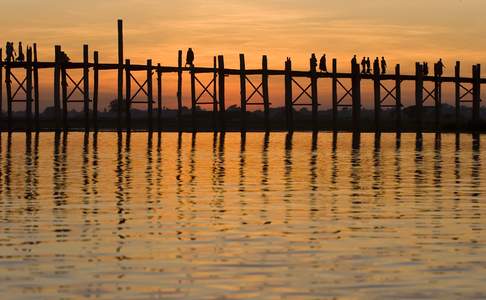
point(368, 65)
point(20, 57)
point(426, 68)
point(190, 58)
point(383, 65)
point(363, 65)
point(440, 68)
point(10, 52)
point(323, 64)
point(313, 62)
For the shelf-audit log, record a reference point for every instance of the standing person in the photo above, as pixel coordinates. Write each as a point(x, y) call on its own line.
point(190, 58)
point(440, 67)
point(363, 65)
point(313, 62)
point(323, 64)
point(20, 57)
point(426, 68)
point(383, 65)
point(9, 52)
point(368, 65)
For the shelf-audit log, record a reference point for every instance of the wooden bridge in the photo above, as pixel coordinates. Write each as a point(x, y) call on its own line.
point(22, 85)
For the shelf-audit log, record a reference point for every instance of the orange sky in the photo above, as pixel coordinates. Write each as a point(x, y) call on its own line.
point(403, 31)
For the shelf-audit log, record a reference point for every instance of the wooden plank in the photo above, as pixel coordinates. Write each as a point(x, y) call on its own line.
point(221, 93)
point(28, 94)
point(266, 100)
point(288, 95)
point(314, 96)
point(476, 118)
point(193, 100)
point(57, 86)
point(120, 73)
point(215, 92)
point(437, 101)
point(179, 87)
point(86, 98)
point(377, 94)
point(243, 97)
point(36, 88)
point(64, 95)
point(95, 90)
point(150, 95)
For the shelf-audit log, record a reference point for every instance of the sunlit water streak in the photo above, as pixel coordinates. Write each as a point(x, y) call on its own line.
point(117, 216)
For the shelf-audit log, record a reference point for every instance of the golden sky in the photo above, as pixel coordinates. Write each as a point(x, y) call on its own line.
point(403, 31)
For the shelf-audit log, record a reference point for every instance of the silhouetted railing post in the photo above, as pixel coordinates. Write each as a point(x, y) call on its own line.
point(179, 89)
point(356, 96)
point(120, 73)
point(95, 89)
point(476, 96)
point(150, 96)
point(243, 92)
point(419, 95)
point(8, 85)
point(86, 98)
point(215, 92)
point(377, 93)
point(57, 87)
point(159, 98)
point(36, 88)
point(266, 100)
point(334, 95)
point(193, 98)
point(314, 96)
point(128, 94)
point(438, 100)
point(28, 94)
point(288, 95)
point(457, 88)
point(222, 108)
point(398, 96)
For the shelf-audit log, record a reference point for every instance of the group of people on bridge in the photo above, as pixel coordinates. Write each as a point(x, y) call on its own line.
point(10, 53)
point(438, 68)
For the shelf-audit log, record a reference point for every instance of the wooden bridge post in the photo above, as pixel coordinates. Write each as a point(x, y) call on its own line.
point(179, 89)
point(150, 97)
point(334, 95)
point(95, 90)
point(398, 100)
point(86, 98)
point(222, 108)
point(57, 86)
point(36, 88)
point(356, 88)
point(159, 98)
point(8, 83)
point(29, 99)
point(438, 100)
point(377, 94)
point(419, 94)
point(266, 100)
point(120, 73)
point(215, 92)
point(193, 98)
point(128, 94)
point(457, 86)
point(243, 92)
point(314, 96)
point(64, 93)
point(476, 96)
point(288, 95)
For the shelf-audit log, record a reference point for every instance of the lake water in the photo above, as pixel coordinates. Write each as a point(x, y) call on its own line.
point(268, 216)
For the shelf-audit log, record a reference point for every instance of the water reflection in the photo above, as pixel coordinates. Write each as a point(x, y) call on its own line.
point(251, 215)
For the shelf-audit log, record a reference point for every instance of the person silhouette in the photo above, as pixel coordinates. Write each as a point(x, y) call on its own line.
point(313, 62)
point(323, 64)
point(383, 65)
point(363, 65)
point(368, 65)
point(426, 68)
point(20, 57)
point(190, 57)
point(440, 67)
point(10, 51)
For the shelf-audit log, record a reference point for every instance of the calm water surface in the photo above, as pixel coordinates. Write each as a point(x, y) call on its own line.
point(142, 216)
